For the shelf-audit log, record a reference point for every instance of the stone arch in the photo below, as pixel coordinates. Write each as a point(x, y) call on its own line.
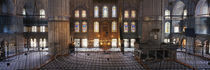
point(202, 8)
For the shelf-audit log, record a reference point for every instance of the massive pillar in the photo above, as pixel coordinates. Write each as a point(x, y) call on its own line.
point(58, 27)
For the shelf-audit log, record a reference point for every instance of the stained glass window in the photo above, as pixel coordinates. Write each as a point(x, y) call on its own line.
point(76, 13)
point(76, 26)
point(96, 26)
point(114, 11)
point(126, 14)
point(133, 27)
point(105, 12)
point(84, 26)
point(114, 26)
point(133, 14)
point(167, 27)
point(84, 13)
point(125, 26)
point(96, 12)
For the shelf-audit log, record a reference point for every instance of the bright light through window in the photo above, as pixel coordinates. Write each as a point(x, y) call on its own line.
point(24, 12)
point(84, 13)
point(105, 12)
point(114, 11)
point(34, 28)
point(126, 14)
point(167, 14)
point(84, 26)
point(76, 13)
point(76, 27)
point(125, 26)
point(84, 43)
point(132, 42)
point(167, 27)
point(96, 26)
point(42, 28)
point(133, 14)
point(176, 29)
point(96, 12)
point(42, 13)
point(114, 26)
point(133, 27)
point(114, 42)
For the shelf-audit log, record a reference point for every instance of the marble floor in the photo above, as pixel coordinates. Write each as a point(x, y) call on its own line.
point(194, 61)
point(95, 61)
point(27, 61)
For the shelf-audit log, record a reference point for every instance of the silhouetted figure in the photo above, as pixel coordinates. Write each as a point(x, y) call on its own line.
point(71, 48)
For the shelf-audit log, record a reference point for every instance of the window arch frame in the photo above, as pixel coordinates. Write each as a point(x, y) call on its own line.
point(105, 12)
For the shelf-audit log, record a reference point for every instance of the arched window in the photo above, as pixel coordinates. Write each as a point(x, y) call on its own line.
point(114, 11)
point(167, 14)
point(114, 26)
point(133, 27)
point(96, 12)
point(96, 26)
point(133, 14)
point(126, 14)
point(42, 13)
point(185, 14)
point(84, 26)
point(24, 12)
point(84, 13)
point(125, 27)
point(202, 9)
point(76, 27)
point(167, 27)
point(76, 13)
point(105, 12)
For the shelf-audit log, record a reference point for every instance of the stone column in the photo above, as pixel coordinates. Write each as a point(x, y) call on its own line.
point(58, 27)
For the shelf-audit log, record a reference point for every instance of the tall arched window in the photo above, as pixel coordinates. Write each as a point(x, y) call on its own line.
point(114, 26)
point(185, 13)
point(105, 12)
point(167, 14)
point(125, 27)
point(24, 12)
point(133, 14)
point(84, 26)
point(167, 27)
point(42, 13)
point(96, 26)
point(96, 12)
point(114, 11)
point(76, 27)
point(76, 13)
point(133, 27)
point(84, 13)
point(126, 14)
